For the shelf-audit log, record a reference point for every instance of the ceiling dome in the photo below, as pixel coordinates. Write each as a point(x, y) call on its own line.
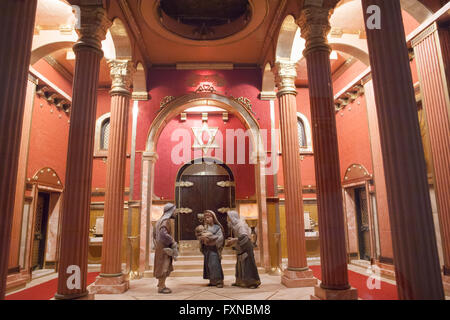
point(204, 19)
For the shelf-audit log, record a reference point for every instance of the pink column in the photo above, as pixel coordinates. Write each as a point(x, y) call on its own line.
point(297, 273)
point(314, 25)
point(429, 52)
point(413, 236)
point(77, 194)
point(16, 36)
point(111, 279)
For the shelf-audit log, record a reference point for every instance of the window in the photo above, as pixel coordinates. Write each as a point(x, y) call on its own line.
point(104, 139)
point(301, 134)
point(102, 130)
point(304, 134)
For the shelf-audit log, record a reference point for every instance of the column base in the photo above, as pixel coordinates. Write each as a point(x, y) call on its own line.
point(298, 279)
point(328, 294)
point(446, 284)
point(107, 285)
point(80, 296)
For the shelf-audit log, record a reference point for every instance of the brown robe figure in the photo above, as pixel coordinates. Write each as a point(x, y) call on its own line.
point(163, 240)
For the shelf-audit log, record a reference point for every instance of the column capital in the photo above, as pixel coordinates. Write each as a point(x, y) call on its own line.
point(121, 72)
point(314, 23)
point(285, 75)
point(94, 25)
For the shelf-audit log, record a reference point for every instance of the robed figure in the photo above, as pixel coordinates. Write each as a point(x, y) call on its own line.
point(211, 245)
point(246, 270)
point(165, 248)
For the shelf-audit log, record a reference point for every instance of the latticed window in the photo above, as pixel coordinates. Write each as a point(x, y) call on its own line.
point(301, 134)
point(104, 140)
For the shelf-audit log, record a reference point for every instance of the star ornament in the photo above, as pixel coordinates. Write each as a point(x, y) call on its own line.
point(199, 142)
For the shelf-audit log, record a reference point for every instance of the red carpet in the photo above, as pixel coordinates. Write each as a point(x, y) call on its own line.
point(387, 291)
point(44, 291)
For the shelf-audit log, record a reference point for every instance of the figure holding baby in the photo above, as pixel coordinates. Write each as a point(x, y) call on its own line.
point(211, 237)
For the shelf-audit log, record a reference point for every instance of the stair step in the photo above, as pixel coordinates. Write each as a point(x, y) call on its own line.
point(188, 265)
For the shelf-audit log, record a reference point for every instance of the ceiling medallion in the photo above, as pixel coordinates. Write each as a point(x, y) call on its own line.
point(198, 138)
point(204, 19)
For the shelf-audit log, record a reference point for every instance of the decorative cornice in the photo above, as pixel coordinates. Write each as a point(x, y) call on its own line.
point(314, 23)
point(94, 25)
point(121, 75)
point(285, 75)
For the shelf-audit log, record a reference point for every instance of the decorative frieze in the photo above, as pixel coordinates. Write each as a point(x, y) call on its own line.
point(348, 96)
point(165, 101)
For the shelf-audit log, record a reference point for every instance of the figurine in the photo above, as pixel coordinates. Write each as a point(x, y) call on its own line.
point(246, 271)
point(166, 248)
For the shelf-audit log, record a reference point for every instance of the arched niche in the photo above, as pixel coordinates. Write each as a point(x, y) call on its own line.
point(258, 156)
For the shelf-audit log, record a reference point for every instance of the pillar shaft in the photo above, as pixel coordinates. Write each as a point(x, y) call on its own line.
point(314, 24)
point(435, 97)
point(291, 167)
point(413, 235)
point(115, 174)
point(77, 194)
point(17, 24)
point(297, 273)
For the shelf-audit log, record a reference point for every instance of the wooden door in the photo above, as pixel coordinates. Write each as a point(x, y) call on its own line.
point(40, 231)
point(362, 218)
point(198, 193)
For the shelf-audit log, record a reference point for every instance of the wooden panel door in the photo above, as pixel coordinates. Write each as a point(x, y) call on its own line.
point(362, 218)
point(40, 231)
point(218, 197)
point(200, 194)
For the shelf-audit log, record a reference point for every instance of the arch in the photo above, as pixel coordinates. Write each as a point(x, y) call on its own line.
point(121, 41)
point(140, 91)
point(169, 111)
point(48, 48)
point(360, 52)
point(286, 39)
point(356, 172)
point(47, 177)
point(268, 83)
point(205, 160)
point(178, 105)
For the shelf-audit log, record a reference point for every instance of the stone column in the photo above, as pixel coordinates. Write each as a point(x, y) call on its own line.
point(146, 231)
point(430, 51)
point(17, 24)
point(77, 194)
point(413, 236)
point(111, 279)
point(314, 25)
point(297, 273)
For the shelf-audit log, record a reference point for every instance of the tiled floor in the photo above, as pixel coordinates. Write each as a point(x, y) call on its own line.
point(194, 288)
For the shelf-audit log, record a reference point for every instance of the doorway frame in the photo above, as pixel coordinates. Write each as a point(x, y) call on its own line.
point(364, 180)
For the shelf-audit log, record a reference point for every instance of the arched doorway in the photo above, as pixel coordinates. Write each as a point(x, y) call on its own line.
point(149, 158)
point(202, 184)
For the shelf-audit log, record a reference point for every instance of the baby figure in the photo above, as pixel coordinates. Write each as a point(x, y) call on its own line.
point(200, 231)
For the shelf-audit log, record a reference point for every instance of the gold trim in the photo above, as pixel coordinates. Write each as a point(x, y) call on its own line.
point(184, 184)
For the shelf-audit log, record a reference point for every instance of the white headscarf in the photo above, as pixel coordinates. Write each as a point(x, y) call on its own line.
point(240, 227)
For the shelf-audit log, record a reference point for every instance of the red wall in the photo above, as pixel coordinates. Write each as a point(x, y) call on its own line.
point(166, 170)
point(49, 129)
point(99, 165)
point(353, 136)
point(162, 83)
